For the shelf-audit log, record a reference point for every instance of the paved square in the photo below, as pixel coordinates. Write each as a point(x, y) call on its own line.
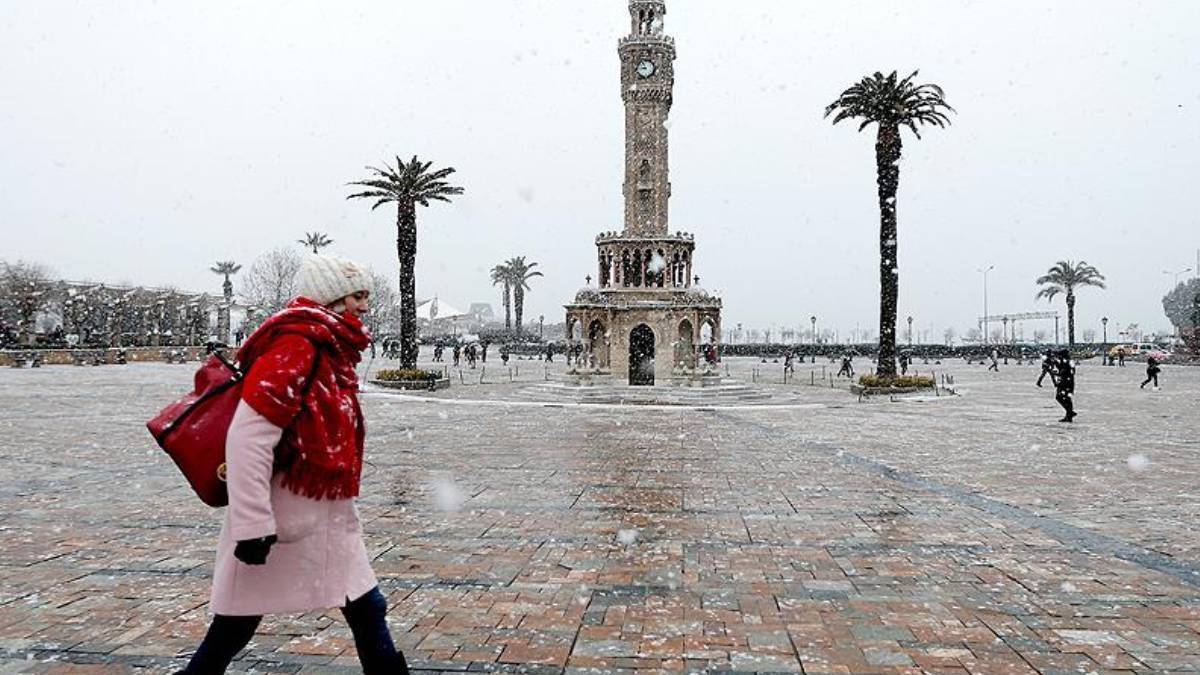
point(969, 534)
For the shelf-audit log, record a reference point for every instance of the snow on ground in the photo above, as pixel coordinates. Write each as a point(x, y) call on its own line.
point(975, 533)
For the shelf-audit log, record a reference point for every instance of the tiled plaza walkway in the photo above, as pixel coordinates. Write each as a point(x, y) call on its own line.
point(971, 534)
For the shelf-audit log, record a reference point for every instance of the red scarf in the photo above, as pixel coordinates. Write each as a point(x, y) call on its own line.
point(321, 450)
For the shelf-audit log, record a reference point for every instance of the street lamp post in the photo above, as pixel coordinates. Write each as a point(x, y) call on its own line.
point(1005, 338)
point(542, 326)
point(813, 319)
point(1104, 357)
point(1175, 282)
point(910, 331)
point(985, 301)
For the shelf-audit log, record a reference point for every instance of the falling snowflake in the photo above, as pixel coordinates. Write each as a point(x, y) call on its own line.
point(627, 537)
point(656, 264)
point(1137, 462)
point(448, 496)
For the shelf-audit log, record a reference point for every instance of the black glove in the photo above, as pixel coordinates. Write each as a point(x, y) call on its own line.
point(254, 551)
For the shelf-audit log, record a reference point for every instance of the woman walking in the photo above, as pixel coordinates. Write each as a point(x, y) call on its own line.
point(291, 541)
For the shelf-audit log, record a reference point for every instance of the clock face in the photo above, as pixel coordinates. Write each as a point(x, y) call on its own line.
point(645, 68)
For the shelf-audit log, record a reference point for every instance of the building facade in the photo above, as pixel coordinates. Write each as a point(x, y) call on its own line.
point(645, 318)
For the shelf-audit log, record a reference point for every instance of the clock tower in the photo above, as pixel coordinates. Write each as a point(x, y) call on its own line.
point(645, 320)
point(647, 79)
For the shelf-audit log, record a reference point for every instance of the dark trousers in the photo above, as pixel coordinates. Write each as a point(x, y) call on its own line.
point(1151, 376)
point(1065, 399)
point(367, 617)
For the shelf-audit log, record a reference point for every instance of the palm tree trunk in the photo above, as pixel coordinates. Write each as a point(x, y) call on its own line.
point(406, 251)
point(1070, 319)
point(519, 301)
point(887, 169)
point(507, 306)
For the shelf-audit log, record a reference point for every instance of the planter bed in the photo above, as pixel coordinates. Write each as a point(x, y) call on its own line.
point(415, 385)
point(887, 391)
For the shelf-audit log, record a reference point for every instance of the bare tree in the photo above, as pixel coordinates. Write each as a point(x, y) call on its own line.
point(271, 282)
point(25, 290)
point(384, 315)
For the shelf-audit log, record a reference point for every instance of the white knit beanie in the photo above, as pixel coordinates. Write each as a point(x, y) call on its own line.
point(327, 279)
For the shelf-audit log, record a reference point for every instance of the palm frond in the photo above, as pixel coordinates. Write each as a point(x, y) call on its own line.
point(1065, 276)
point(410, 181)
point(889, 101)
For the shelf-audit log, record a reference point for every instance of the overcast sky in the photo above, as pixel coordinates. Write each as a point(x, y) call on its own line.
point(142, 141)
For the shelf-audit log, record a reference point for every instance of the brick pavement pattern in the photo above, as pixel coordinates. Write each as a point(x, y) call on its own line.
point(971, 534)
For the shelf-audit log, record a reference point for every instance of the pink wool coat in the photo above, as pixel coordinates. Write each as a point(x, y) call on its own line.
point(319, 562)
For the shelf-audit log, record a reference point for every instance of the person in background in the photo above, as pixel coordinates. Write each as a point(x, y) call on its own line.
point(1047, 368)
point(1152, 370)
point(1064, 384)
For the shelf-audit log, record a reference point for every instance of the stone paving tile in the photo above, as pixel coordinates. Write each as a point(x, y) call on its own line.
point(965, 535)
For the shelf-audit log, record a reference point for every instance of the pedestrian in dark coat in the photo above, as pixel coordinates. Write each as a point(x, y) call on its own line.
point(1152, 370)
point(847, 368)
point(1048, 366)
point(1064, 384)
point(292, 541)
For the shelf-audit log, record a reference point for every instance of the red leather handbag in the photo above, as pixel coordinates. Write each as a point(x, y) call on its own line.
point(192, 430)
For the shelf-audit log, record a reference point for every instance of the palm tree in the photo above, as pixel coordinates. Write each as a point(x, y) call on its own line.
point(501, 275)
point(520, 273)
point(227, 268)
point(315, 240)
point(890, 103)
point(407, 185)
point(1064, 278)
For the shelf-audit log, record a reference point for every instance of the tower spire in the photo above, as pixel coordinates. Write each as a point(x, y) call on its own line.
point(647, 16)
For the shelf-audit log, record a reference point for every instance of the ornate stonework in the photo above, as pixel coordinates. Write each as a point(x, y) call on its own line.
point(646, 318)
